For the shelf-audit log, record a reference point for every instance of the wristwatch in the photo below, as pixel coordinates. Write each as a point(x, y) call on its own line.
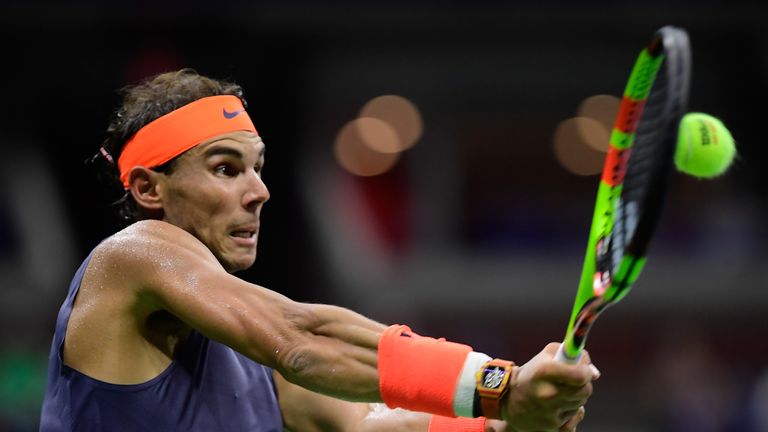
point(492, 382)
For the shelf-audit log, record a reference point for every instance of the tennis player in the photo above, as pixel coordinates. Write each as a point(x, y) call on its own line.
point(156, 334)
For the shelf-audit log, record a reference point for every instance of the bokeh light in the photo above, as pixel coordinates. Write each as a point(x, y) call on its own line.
point(572, 151)
point(385, 127)
point(602, 109)
point(378, 134)
point(580, 142)
point(400, 113)
point(592, 133)
point(356, 156)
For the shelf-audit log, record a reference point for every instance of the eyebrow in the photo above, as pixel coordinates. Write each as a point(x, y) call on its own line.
point(216, 150)
point(220, 150)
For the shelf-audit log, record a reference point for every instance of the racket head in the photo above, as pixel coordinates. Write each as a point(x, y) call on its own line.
point(634, 180)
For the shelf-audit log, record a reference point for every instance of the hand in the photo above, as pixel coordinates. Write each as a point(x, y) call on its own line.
point(548, 395)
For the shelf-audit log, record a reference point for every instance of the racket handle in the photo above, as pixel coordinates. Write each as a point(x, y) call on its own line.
point(562, 357)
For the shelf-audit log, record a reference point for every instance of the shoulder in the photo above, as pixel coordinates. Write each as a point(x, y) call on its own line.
point(147, 232)
point(151, 240)
point(151, 249)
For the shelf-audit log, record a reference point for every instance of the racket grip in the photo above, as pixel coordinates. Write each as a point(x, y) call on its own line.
point(562, 357)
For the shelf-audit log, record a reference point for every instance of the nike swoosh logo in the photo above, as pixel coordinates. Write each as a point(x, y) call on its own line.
point(232, 114)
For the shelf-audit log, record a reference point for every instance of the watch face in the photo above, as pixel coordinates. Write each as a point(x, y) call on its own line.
point(493, 378)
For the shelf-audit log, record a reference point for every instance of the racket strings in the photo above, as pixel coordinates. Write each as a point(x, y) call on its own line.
point(649, 167)
point(640, 166)
point(630, 211)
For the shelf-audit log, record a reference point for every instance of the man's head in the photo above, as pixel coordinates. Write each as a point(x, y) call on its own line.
point(185, 152)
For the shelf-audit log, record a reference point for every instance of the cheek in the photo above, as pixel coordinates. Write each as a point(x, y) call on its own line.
point(198, 208)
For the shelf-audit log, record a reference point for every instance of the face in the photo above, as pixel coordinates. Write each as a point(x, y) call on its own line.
point(216, 193)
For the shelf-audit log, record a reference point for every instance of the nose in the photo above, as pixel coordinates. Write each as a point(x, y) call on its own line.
point(256, 192)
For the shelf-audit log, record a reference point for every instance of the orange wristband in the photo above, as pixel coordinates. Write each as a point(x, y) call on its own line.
point(419, 373)
point(456, 424)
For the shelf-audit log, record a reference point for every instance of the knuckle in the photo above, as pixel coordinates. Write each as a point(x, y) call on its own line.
point(553, 345)
point(294, 362)
point(546, 391)
point(546, 370)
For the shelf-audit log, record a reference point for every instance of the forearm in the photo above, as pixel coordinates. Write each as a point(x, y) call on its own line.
point(339, 353)
point(379, 418)
point(336, 354)
point(306, 411)
point(341, 359)
point(326, 349)
point(343, 324)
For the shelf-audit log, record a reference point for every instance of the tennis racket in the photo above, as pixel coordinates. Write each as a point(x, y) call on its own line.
point(634, 182)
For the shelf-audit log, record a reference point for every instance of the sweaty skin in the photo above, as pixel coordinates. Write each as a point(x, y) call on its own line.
point(148, 285)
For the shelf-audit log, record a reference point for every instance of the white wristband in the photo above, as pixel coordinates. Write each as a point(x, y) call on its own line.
point(464, 396)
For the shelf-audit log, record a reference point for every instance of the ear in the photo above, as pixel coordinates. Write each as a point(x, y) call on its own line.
point(144, 185)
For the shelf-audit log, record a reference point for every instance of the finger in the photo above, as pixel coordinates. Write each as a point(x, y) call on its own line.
point(587, 361)
point(595, 372)
point(570, 425)
point(551, 348)
point(560, 402)
point(571, 393)
point(567, 415)
point(561, 395)
point(566, 405)
point(561, 373)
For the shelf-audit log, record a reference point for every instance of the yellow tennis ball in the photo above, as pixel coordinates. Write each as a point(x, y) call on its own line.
point(705, 147)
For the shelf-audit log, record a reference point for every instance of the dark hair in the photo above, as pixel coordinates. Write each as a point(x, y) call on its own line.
point(143, 103)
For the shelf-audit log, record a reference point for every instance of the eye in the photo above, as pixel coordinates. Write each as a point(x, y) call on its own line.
point(259, 168)
point(225, 170)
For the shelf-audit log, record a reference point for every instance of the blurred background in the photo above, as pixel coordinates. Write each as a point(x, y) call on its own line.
point(430, 163)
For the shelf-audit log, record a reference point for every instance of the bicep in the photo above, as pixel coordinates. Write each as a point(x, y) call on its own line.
point(326, 349)
point(250, 319)
point(177, 273)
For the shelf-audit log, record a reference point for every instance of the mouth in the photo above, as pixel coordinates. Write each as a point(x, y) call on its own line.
point(244, 236)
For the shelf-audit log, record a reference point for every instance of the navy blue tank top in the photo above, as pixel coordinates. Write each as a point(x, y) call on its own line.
point(207, 387)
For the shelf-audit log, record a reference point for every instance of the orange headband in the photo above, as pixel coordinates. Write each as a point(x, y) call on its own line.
point(178, 131)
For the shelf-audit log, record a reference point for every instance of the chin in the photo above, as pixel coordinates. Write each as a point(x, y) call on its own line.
point(239, 263)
